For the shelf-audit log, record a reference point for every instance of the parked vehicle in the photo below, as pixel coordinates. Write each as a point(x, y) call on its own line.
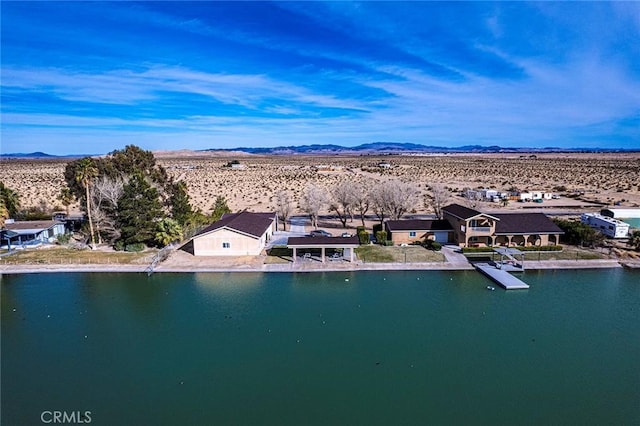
point(320, 233)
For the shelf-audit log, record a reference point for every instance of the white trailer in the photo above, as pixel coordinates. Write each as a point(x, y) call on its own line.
point(610, 227)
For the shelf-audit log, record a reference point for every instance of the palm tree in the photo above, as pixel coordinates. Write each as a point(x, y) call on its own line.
point(10, 199)
point(4, 213)
point(66, 198)
point(85, 173)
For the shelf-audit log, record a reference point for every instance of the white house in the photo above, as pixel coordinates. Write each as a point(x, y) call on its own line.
point(235, 234)
point(610, 227)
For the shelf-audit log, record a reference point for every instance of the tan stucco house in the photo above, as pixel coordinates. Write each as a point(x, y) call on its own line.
point(473, 228)
point(412, 230)
point(235, 234)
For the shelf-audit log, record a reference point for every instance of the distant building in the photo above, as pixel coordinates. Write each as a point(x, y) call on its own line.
point(324, 168)
point(608, 226)
point(384, 165)
point(235, 234)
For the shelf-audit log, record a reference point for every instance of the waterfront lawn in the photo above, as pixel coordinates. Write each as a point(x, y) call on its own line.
point(69, 256)
point(572, 253)
point(566, 254)
point(410, 254)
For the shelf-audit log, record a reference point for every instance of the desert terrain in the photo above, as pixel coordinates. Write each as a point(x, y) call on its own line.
point(580, 179)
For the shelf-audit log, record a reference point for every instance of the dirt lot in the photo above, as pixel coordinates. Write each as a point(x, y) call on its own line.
point(600, 178)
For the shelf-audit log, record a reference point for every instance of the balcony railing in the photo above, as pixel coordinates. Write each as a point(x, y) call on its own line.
point(480, 229)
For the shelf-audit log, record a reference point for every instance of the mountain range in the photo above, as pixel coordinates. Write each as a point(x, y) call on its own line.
point(364, 149)
point(404, 148)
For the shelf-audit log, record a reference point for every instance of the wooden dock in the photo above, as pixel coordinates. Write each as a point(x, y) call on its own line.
point(501, 276)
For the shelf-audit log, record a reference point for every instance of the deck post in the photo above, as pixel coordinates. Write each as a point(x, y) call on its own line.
point(294, 254)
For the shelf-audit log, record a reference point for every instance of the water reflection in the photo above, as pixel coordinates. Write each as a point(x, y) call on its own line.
point(228, 284)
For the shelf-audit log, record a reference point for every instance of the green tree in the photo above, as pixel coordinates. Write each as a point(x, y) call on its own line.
point(116, 168)
point(4, 213)
point(66, 197)
point(181, 209)
point(139, 210)
point(579, 233)
point(85, 173)
point(634, 240)
point(219, 208)
point(168, 231)
point(10, 200)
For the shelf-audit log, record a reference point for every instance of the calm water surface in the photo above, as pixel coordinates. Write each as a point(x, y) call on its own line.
point(327, 348)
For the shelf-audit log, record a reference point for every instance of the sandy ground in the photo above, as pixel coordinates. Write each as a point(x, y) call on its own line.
point(600, 178)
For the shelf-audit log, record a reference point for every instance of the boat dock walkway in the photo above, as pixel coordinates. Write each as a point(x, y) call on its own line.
point(501, 276)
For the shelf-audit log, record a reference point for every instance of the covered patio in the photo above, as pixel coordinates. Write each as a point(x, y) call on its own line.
point(346, 244)
point(510, 254)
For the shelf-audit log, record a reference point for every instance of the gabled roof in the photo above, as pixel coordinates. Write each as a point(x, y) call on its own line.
point(253, 224)
point(31, 226)
point(463, 212)
point(525, 223)
point(418, 225)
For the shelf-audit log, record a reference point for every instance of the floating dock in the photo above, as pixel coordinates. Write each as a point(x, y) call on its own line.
point(502, 277)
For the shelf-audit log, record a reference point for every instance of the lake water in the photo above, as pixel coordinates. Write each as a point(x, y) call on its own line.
point(323, 348)
point(634, 222)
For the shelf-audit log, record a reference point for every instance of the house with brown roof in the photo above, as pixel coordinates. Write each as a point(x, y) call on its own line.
point(473, 228)
point(412, 230)
point(235, 234)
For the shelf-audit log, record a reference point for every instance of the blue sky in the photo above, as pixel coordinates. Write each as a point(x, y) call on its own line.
point(90, 77)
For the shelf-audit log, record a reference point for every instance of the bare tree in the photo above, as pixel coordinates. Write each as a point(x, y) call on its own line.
point(379, 202)
point(312, 201)
point(105, 193)
point(109, 190)
point(393, 199)
point(284, 207)
point(361, 201)
point(343, 198)
point(472, 198)
point(438, 198)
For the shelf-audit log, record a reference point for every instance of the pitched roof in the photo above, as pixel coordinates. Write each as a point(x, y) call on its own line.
point(323, 241)
point(461, 211)
point(254, 224)
point(418, 225)
point(35, 225)
point(525, 223)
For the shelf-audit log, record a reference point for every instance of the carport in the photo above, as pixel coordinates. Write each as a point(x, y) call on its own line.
point(346, 244)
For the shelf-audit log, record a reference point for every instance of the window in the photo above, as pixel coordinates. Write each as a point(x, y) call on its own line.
point(226, 245)
point(412, 233)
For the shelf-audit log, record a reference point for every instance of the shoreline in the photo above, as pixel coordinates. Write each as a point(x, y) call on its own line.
point(531, 265)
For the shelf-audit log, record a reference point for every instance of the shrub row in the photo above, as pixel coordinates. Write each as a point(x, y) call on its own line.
point(136, 247)
point(528, 248)
point(363, 235)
